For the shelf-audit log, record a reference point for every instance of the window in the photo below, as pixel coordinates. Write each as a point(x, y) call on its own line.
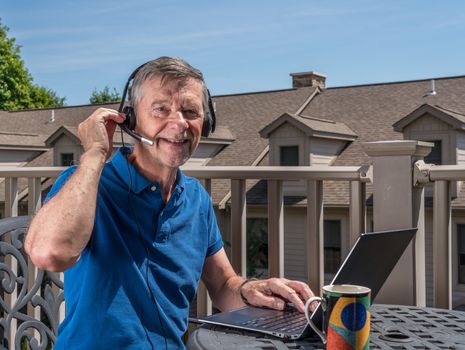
point(435, 157)
point(66, 159)
point(257, 247)
point(289, 155)
point(461, 253)
point(332, 245)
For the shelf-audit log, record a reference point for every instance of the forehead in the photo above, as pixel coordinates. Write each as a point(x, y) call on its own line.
point(158, 87)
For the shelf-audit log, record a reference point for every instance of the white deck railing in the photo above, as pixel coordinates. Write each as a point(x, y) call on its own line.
point(313, 176)
point(398, 202)
point(443, 177)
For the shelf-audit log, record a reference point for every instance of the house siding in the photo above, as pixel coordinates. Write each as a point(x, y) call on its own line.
point(64, 144)
point(295, 247)
point(460, 137)
point(324, 152)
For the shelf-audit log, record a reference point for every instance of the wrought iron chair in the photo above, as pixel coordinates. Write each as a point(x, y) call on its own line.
point(30, 297)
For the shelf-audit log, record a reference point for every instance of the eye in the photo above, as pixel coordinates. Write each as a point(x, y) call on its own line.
point(160, 110)
point(190, 113)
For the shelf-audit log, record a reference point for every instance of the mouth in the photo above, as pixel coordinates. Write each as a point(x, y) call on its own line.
point(176, 142)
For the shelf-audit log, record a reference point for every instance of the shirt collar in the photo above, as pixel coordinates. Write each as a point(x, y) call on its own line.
point(133, 178)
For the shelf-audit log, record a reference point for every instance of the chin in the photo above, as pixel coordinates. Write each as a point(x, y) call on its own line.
point(176, 163)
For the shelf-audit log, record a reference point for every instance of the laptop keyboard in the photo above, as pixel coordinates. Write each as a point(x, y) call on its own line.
point(291, 321)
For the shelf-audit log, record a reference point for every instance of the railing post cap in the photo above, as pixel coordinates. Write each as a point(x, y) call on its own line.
point(412, 148)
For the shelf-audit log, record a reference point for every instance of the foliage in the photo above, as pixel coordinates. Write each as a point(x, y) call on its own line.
point(104, 96)
point(17, 90)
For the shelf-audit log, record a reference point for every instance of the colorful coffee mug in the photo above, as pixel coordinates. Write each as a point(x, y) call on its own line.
point(346, 317)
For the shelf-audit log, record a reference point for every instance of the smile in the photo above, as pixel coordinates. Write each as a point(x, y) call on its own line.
point(176, 141)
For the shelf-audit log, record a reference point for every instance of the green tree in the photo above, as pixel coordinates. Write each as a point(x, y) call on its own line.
point(104, 96)
point(17, 90)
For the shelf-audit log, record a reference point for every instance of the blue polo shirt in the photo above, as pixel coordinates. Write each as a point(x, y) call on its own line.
point(139, 247)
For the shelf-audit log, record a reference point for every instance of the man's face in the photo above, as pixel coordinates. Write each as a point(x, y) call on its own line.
point(170, 114)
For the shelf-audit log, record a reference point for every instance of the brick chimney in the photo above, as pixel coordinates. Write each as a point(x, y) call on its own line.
point(305, 79)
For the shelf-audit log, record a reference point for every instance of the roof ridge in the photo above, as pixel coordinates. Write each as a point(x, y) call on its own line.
point(317, 119)
point(61, 107)
point(450, 110)
point(395, 82)
point(17, 133)
point(256, 92)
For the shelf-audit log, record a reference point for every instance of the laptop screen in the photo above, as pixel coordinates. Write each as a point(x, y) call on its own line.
point(373, 257)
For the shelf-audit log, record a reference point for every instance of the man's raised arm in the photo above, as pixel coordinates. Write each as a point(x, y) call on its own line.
point(63, 226)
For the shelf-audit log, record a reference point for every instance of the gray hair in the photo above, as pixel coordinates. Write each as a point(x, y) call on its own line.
point(169, 68)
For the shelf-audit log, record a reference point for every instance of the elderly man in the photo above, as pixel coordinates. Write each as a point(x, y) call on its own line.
point(134, 235)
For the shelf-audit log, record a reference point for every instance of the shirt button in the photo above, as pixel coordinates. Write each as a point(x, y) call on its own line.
point(153, 188)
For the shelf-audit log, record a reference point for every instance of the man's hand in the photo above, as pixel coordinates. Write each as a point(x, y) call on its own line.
point(275, 292)
point(96, 132)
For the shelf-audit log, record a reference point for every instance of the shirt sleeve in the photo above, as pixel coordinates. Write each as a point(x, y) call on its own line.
point(215, 241)
point(60, 182)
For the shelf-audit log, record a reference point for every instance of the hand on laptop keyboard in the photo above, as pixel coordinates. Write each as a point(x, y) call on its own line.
point(274, 293)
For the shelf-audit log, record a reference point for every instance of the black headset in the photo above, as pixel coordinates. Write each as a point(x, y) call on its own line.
point(129, 124)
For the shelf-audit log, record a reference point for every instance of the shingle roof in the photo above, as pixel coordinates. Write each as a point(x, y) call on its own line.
point(21, 139)
point(369, 111)
point(222, 133)
point(245, 115)
point(39, 121)
point(311, 126)
point(453, 118)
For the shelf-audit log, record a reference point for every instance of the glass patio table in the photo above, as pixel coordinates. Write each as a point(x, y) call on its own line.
point(392, 327)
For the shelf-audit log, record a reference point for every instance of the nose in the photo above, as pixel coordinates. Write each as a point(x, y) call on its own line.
point(176, 119)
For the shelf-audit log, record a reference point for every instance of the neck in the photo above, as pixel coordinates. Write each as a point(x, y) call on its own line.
point(166, 177)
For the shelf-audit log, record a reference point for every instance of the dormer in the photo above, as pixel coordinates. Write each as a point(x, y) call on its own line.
point(299, 140)
point(442, 126)
point(303, 140)
point(66, 146)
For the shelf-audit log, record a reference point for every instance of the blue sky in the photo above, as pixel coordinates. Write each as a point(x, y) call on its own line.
point(74, 47)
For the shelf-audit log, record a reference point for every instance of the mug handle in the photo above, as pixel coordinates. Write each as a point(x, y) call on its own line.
point(309, 320)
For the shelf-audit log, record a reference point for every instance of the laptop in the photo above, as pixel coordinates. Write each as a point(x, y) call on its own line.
point(369, 263)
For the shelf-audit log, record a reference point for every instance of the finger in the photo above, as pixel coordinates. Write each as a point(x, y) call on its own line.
point(117, 118)
point(97, 130)
point(110, 114)
point(271, 302)
point(302, 289)
point(281, 288)
point(111, 127)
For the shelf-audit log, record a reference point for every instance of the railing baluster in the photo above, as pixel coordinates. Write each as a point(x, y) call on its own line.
point(208, 186)
point(56, 290)
point(275, 228)
point(357, 211)
point(34, 197)
point(204, 302)
point(315, 238)
point(11, 209)
point(442, 271)
point(238, 227)
point(34, 204)
point(11, 197)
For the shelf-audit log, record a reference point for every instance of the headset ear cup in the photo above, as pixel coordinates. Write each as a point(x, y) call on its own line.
point(206, 127)
point(209, 124)
point(130, 121)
